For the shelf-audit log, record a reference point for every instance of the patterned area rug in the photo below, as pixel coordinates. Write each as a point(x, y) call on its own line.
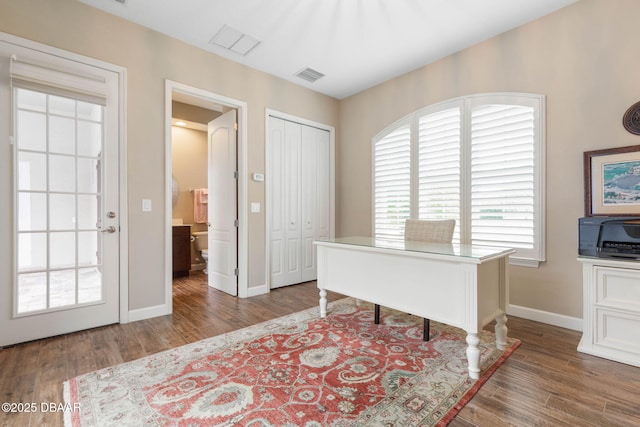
point(297, 370)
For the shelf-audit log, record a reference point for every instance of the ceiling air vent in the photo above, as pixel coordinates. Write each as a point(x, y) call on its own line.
point(309, 74)
point(234, 40)
point(120, 1)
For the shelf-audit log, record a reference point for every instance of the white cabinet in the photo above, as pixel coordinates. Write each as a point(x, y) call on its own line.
point(298, 179)
point(611, 312)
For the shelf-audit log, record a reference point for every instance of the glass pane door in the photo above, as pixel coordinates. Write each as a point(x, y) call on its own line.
point(58, 193)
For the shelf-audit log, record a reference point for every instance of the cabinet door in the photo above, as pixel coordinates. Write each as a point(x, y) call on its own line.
point(181, 250)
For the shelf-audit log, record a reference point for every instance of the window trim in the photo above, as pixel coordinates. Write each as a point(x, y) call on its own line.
point(466, 103)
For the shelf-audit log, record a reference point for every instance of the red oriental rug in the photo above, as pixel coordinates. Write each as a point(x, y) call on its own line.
point(297, 370)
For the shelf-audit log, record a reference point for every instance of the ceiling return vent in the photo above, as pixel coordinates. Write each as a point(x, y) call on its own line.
point(234, 40)
point(309, 74)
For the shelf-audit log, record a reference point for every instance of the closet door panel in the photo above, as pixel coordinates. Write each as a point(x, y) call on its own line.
point(276, 201)
point(323, 185)
point(309, 180)
point(292, 202)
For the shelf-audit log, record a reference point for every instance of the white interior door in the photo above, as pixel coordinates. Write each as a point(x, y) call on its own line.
point(64, 241)
point(223, 206)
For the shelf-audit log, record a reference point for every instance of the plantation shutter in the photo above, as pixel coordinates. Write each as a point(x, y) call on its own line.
point(439, 138)
point(477, 159)
point(502, 175)
point(392, 183)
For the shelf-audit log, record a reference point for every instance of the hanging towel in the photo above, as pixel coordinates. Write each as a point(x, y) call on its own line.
point(200, 208)
point(204, 195)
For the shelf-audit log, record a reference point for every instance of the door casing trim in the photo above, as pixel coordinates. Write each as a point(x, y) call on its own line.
point(243, 235)
point(332, 179)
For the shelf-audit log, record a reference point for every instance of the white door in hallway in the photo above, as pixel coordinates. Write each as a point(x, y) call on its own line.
point(223, 204)
point(59, 232)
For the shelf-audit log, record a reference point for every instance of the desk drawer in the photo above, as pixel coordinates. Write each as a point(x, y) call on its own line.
point(618, 288)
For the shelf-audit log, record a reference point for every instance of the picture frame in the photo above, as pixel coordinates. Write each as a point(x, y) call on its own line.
point(612, 181)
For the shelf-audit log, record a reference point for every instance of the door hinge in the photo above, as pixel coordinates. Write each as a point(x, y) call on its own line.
point(236, 223)
point(235, 127)
point(235, 174)
point(236, 272)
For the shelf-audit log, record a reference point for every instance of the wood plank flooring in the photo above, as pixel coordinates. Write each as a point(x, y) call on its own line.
point(546, 382)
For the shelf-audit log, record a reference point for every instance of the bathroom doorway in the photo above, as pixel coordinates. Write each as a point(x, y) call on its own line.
point(189, 174)
point(189, 190)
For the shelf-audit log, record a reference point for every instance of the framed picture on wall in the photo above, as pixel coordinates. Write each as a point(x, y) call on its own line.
point(612, 181)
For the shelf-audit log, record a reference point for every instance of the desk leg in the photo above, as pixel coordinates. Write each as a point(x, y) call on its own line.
point(501, 331)
point(473, 355)
point(323, 303)
point(425, 329)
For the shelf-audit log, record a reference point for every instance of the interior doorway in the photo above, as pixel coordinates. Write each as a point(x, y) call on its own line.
point(188, 111)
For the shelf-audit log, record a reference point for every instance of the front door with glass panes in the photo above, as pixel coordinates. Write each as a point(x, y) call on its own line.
point(65, 200)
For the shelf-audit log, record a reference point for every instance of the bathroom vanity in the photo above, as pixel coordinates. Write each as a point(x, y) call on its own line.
point(181, 250)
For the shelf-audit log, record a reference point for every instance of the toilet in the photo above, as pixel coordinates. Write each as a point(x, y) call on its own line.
point(201, 244)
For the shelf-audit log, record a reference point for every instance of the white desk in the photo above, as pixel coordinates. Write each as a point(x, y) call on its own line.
point(459, 285)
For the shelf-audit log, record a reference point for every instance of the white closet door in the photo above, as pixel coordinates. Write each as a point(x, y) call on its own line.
point(323, 186)
point(292, 203)
point(315, 196)
point(276, 201)
point(299, 199)
point(309, 182)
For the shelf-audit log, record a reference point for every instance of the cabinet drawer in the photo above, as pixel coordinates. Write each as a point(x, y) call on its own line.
point(618, 330)
point(618, 288)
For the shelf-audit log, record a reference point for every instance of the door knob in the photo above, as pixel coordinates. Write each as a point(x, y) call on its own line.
point(110, 229)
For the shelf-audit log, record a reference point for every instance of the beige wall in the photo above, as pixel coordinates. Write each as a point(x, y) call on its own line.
point(192, 113)
point(189, 158)
point(150, 58)
point(583, 58)
point(189, 167)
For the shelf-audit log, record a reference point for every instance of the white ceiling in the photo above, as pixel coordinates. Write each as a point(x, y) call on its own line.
point(355, 43)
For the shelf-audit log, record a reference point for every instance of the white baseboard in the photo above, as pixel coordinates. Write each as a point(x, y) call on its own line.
point(148, 312)
point(555, 319)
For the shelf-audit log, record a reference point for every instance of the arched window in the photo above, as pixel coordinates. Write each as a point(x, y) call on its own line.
point(477, 159)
